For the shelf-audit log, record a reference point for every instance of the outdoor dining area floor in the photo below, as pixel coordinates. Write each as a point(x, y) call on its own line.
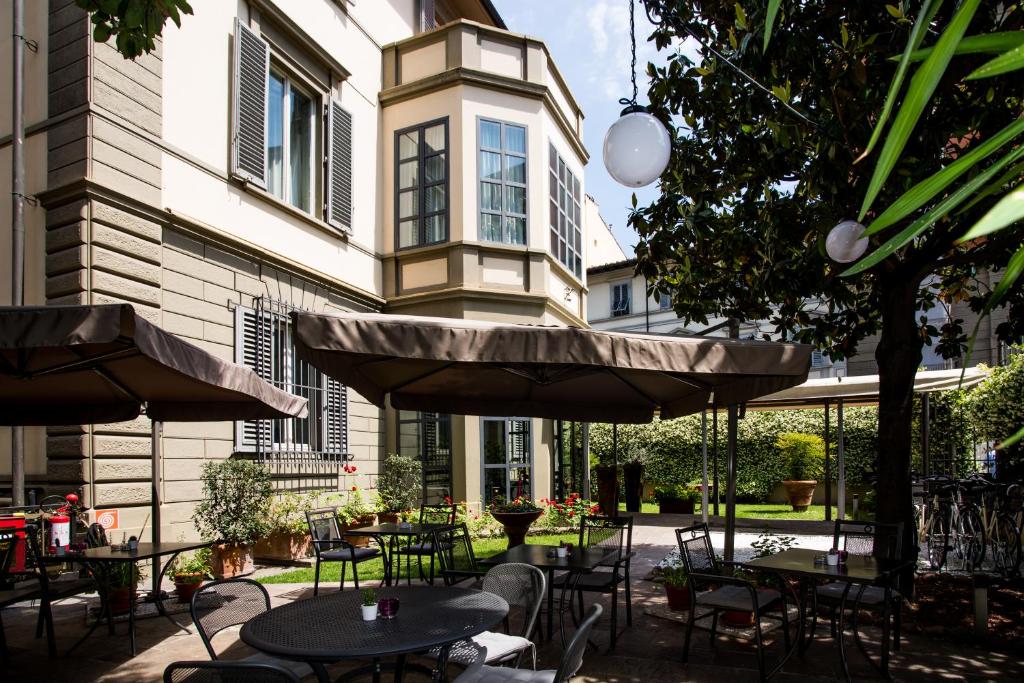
point(647, 652)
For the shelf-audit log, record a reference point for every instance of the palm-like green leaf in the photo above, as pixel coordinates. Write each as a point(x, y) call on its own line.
point(924, 17)
point(769, 20)
point(924, 191)
point(1015, 172)
point(1008, 210)
point(1012, 440)
point(1011, 60)
point(935, 213)
point(922, 85)
point(989, 43)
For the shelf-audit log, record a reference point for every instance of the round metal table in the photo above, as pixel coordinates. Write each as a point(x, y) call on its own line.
point(329, 628)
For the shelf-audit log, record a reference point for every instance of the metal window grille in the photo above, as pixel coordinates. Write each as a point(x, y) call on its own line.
point(302, 453)
point(428, 437)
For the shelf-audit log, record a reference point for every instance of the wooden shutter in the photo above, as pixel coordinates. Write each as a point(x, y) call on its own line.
point(253, 349)
point(338, 190)
point(249, 114)
point(335, 418)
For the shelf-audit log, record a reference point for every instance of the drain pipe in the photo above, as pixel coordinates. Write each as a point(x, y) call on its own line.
point(18, 222)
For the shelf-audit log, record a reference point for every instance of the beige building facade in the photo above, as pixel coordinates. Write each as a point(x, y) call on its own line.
point(397, 156)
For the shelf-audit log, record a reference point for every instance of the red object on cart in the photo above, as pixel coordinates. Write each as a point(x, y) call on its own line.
point(17, 523)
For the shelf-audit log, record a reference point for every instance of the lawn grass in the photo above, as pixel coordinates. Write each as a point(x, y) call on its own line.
point(756, 511)
point(373, 570)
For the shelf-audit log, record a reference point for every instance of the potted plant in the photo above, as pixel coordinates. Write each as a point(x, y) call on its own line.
point(677, 588)
point(398, 487)
point(676, 499)
point(804, 455)
point(766, 544)
point(234, 512)
point(122, 582)
point(354, 514)
point(288, 539)
point(369, 607)
point(189, 572)
point(633, 477)
point(515, 516)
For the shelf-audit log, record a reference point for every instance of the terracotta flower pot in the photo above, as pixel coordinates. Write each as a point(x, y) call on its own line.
point(283, 546)
point(389, 517)
point(632, 475)
point(738, 619)
point(678, 598)
point(359, 541)
point(608, 489)
point(119, 598)
point(228, 560)
point(800, 493)
point(185, 585)
point(516, 525)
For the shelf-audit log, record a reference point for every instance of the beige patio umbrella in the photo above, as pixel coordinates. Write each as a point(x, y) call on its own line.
point(66, 365)
point(470, 367)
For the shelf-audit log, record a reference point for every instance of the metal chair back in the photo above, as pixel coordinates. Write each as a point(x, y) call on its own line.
point(611, 534)
point(695, 550)
point(572, 658)
point(226, 603)
point(227, 672)
point(874, 539)
point(325, 530)
point(443, 513)
point(458, 561)
point(521, 585)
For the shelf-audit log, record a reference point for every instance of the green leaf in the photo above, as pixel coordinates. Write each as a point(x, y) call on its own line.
point(894, 11)
point(924, 191)
point(1004, 63)
point(769, 21)
point(922, 85)
point(101, 33)
point(1008, 210)
point(988, 43)
point(995, 187)
point(135, 14)
point(934, 214)
point(924, 17)
point(1012, 440)
point(741, 17)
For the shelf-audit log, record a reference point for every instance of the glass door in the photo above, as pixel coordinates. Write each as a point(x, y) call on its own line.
point(507, 458)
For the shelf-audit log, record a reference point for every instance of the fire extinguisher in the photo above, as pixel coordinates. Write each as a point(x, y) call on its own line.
point(60, 530)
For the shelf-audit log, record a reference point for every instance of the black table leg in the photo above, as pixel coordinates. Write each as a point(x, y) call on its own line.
point(551, 604)
point(132, 599)
point(841, 626)
point(321, 672)
point(399, 668)
point(157, 596)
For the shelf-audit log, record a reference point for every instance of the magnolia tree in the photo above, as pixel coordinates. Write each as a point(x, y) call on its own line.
point(760, 175)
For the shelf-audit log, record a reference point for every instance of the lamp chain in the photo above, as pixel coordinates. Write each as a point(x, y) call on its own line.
point(632, 63)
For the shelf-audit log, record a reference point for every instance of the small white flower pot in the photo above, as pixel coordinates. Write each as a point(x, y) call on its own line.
point(369, 612)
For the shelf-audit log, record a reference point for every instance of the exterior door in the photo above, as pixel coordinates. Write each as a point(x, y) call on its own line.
point(507, 458)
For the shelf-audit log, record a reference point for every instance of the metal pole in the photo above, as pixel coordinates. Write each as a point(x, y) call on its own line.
point(155, 499)
point(615, 465)
point(714, 453)
point(18, 220)
point(828, 469)
point(585, 438)
point(841, 463)
point(925, 431)
point(704, 471)
point(730, 490)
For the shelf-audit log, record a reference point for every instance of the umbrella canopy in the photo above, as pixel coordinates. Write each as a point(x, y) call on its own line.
point(85, 364)
point(469, 367)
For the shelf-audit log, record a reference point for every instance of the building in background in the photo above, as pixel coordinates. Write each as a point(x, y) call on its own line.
point(405, 156)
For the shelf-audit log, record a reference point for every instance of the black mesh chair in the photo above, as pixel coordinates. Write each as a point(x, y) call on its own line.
point(614, 535)
point(866, 539)
point(423, 546)
point(568, 665)
point(227, 672)
point(220, 605)
point(458, 561)
point(96, 536)
point(329, 546)
point(731, 593)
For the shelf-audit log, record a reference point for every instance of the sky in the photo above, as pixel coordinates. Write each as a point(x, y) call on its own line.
point(589, 40)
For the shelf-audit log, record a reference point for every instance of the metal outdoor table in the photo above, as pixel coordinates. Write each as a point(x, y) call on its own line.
point(99, 560)
point(580, 561)
point(329, 628)
point(392, 531)
point(859, 570)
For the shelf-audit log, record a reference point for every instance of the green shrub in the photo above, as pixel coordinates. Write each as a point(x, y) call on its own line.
point(237, 496)
point(400, 483)
point(803, 455)
point(996, 409)
point(672, 492)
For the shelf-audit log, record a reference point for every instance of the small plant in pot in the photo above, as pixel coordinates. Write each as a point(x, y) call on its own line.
point(189, 572)
point(354, 514)
point(515, 516)
point(288, 538)
point(122, 581)
point(369, 606)
point(398, 487)
point(677, 588)
point(234, 512)
point(676, 499)
point(804, 455)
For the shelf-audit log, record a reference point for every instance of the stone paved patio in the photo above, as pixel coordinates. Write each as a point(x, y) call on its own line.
point(648, 652)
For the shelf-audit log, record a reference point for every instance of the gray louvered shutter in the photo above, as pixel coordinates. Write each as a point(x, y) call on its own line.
point(338, 193)
point(335, 418)
point(249, 115)
point(254, 350)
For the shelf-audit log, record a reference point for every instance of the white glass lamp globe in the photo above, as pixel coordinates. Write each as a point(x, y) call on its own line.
point(846, 242)
point(636, 148)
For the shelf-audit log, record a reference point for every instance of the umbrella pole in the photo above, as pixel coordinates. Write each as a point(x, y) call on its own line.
point(704, 470)
point(155, 498)
point(615, 464)
point(730, 490)
point(714, 453)
point(828, 469)
point(840, 463)
point(586, 460)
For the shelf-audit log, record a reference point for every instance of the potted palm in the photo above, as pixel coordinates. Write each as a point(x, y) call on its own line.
point(398, 487)
point(189, 572)
point(804, 455)
point(677, 588)
point(122, 582)
point(234, 512)
point(515, 516)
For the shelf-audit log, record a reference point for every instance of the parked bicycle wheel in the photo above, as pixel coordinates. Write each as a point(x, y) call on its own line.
point(1006, 546)
point(937, 540)
point(970, 538)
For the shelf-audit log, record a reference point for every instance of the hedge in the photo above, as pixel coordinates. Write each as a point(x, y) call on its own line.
point(672, 448)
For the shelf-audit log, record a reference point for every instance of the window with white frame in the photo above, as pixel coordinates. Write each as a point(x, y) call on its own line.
point(502, 182)
point(564, 214)
point(282, 127)
point(421, 184)
point(621, 299)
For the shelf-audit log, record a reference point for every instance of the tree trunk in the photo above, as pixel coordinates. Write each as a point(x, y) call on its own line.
point(898, 356)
